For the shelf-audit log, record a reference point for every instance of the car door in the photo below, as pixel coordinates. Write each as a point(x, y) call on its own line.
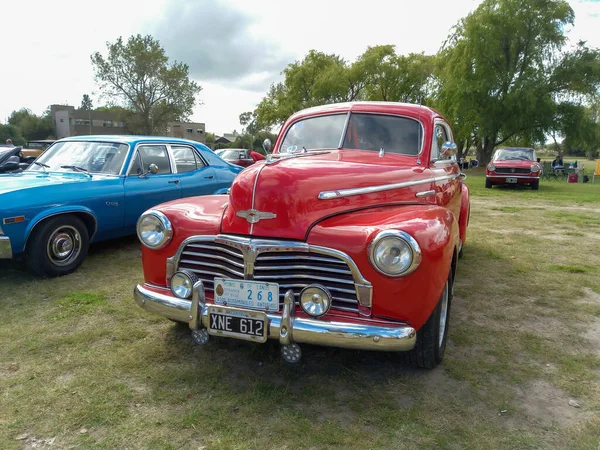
point(245, 159)
point(444, 170)
point(144, 189)
point(196, 177)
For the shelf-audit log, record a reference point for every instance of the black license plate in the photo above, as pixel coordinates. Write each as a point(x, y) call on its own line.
point(238, 324)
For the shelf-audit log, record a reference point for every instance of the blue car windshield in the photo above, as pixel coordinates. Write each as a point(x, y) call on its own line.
point(81, 156)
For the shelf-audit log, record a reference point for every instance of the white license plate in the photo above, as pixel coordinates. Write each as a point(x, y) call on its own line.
point(247, 294)
point(511, 180)
point(232, 322)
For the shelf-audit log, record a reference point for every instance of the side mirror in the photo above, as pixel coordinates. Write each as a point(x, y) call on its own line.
point(153, 169)
point(539, 160)
point(267, 145)
point(448, 150)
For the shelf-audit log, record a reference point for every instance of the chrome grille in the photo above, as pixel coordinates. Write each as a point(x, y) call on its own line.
point(292, 270)
point(515, 170)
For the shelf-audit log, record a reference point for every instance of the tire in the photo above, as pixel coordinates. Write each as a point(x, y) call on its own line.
point(535, 185)
point(57, 246)
point(488, 184)
point(430, 347)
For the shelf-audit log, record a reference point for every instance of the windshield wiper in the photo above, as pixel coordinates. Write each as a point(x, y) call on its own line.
point(77, 168)
point(45, 166)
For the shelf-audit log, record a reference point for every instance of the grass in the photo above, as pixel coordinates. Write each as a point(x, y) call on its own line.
point(81, 366)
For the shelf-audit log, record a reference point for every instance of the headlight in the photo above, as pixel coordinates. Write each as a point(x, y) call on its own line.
point(491, 167)
point(394, 253)
point(182, 284)
point(154, 229)
point(535, 168)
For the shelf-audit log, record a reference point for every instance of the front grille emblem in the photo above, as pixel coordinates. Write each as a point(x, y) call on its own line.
point(512, 170)
point(254, 216)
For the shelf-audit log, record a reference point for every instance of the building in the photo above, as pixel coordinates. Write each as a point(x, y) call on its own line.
point(188, 130)
point(69, 121)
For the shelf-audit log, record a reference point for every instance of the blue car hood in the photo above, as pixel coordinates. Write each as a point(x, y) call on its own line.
point(12, 182)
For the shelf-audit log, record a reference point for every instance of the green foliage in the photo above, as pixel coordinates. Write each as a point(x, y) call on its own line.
point(138, 76)
point(11, 132)
point(86, 103)
point(30, 125)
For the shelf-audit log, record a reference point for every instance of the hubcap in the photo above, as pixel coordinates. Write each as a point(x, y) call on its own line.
point(443, 315)
point(64, 245)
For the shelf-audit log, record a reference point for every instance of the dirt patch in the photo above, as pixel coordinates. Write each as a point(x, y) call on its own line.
point(590, 297)
point(593, 335)
point(548, 405)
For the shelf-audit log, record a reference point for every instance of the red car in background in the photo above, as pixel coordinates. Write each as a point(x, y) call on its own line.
point(513, 165)
point(237, 156)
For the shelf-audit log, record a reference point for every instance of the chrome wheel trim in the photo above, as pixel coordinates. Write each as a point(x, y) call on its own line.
point(443, 315)
point(64, 245)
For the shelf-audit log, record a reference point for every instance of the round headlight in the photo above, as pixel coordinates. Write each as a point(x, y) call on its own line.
point(182, 284)
point(315, 300)
point(154, 229)
point(491, 167)
point(394, 253)
point(535, 168)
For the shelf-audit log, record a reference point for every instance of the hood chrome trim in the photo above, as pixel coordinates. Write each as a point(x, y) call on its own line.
point(339, 193)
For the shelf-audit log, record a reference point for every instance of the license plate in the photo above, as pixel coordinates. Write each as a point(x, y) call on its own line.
point(231, 322)
point(247, 294)
point(511, 180)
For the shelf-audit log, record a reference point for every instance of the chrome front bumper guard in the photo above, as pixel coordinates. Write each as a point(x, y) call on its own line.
point(285, 327)
point(5, 248)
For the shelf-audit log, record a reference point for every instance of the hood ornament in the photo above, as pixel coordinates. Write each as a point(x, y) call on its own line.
point(254, 216)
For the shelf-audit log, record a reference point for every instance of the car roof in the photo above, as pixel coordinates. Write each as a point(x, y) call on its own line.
point(128, 139)
point(373, 106)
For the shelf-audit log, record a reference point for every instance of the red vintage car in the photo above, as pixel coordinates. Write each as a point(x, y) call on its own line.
point(348, 235)
point(513, 165)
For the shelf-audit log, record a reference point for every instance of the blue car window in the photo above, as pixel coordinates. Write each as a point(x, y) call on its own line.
point(154, 154)
point(186, 159)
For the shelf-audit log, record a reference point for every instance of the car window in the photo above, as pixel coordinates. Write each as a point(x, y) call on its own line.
point(516, 154)
point(440, 135)
point(186, 159)
point(375, 132)
point(150, 154)
point(314, 133)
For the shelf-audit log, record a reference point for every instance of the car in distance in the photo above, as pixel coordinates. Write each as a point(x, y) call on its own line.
point(513, 165)
point(348, 235)
point(237, 156)
point(92, 188)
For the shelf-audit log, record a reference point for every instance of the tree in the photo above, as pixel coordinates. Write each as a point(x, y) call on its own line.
point(31, 126)
point(139, 77)
point(504, 73)
point(86, 103)
point(11, 132)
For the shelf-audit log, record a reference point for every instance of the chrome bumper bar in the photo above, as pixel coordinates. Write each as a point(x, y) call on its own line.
point(5, 248)
point(285, 327)
point(508, 175)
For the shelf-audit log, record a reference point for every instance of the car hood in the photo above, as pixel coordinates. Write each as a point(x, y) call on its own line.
point(286, 192)
point(30, 179)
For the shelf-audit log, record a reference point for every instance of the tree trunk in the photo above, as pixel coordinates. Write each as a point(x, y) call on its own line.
point(485, 149)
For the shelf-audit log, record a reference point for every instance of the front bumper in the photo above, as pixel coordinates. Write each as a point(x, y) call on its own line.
point(5, 248)
point(501, 178)
point(284, 326)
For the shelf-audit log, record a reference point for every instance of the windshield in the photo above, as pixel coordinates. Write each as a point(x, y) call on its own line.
point(232, 154)
point(514, 154)
point(372, 132)
point(93, 157)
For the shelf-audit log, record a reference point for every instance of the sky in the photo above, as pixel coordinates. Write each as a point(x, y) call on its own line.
point(235, 49)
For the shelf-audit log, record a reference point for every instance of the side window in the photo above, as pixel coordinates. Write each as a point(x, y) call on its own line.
point(440, 135)
point(186, 159)
point(136, 165)
point(151, 154)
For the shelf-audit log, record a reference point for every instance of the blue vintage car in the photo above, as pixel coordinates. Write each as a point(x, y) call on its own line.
point(91, 188)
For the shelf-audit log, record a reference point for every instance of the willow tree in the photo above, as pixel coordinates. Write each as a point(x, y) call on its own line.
point(505, 71)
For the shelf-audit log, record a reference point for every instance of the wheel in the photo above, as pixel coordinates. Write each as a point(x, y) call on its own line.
point(431, 338)
point(57, 246)
point(535, 185)
point(488, 184)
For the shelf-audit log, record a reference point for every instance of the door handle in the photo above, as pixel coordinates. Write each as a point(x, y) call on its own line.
point(174, 181)
point(210, 176)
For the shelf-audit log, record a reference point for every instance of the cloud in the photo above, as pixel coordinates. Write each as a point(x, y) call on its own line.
point(218, 43)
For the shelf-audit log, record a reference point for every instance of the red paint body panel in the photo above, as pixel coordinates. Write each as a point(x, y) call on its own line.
point(411, 298)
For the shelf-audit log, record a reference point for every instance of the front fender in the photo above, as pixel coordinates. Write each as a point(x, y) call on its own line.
point(465, 213)
point(411, 298)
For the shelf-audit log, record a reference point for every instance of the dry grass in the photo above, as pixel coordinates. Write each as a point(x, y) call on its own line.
point(82, 366)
